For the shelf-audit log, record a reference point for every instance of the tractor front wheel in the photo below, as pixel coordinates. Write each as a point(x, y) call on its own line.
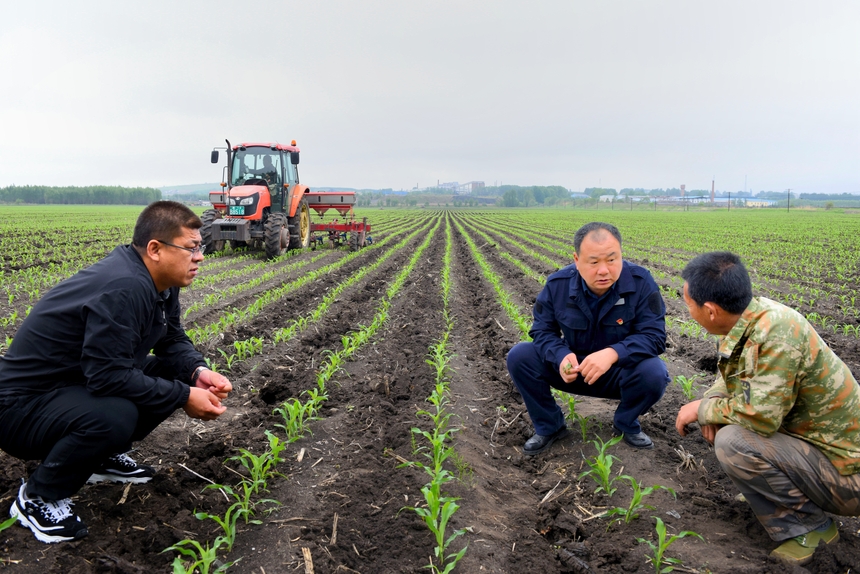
point(208, 217)
point(277, 237)
point(300, 227)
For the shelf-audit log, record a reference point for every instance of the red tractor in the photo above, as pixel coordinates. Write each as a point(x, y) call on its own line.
point(263, 205)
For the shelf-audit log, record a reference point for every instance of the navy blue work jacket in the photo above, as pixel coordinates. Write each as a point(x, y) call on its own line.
point(632, 319)
point(96, 329)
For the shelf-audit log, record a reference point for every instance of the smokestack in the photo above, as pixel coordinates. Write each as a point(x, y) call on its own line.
point(712, 191)
point(683, 190)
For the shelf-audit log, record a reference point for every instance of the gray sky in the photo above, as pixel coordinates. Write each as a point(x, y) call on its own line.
point(394, 94)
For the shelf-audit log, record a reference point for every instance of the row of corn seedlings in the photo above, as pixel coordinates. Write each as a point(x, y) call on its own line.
point(513, 311)
point(247, 498)
point(439, 506)
point(285, 334)
point(295, 413)
point(212, 330)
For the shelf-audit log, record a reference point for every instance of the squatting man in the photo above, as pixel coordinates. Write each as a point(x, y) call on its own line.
point(599, 328)
point(784, 413)
point(78, 384)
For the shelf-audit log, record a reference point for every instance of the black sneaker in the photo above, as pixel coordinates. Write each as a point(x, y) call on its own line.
point(122, 468)
point(50, 520)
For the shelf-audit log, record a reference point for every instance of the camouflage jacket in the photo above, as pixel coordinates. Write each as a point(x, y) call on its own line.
point(778, 375)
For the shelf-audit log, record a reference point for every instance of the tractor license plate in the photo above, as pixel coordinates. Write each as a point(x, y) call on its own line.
point(237, 210)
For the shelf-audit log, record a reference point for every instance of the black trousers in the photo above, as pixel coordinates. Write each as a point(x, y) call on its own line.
point(73, 432)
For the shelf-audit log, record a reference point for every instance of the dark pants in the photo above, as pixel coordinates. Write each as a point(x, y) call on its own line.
point(73, 432)
point(638, 387)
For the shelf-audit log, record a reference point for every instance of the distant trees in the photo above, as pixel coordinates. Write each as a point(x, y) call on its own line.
point(94, 194)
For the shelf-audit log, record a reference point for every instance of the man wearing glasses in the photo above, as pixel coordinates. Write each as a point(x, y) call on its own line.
point(78, 384)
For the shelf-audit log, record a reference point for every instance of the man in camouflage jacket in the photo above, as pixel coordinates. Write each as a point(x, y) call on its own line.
point(783, 414)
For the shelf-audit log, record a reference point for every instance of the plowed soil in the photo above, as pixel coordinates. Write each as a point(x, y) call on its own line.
point(523, 514)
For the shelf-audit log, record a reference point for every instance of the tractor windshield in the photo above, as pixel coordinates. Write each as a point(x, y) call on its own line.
point(256, 163)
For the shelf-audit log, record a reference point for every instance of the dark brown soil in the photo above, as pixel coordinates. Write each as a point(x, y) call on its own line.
point(523, 514)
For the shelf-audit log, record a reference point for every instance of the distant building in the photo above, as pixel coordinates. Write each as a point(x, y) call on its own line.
point(470, 186)
point(756, 202)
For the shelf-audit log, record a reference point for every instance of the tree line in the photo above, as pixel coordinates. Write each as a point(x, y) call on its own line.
point(92, 194)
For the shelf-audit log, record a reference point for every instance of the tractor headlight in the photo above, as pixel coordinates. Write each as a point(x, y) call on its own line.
point(247, 200)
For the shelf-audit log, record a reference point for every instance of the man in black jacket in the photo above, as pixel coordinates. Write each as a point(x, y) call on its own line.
point(599, 326)
point(78, 384)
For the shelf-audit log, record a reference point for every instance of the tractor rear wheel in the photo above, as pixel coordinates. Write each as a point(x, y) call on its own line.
point(277, 237)
point(209, 216)
point(300, 227)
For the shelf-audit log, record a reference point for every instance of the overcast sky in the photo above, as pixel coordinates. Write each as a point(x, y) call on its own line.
point(404, 93)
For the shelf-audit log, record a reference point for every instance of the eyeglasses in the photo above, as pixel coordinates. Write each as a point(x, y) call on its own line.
point(192, 250)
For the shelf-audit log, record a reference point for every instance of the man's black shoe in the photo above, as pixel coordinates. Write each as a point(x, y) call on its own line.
point(50, 520)
point(636, 440)
point(122, 468)
point(539, 443)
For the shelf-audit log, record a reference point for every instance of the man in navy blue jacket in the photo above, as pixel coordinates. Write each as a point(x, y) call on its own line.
point(78, 384)
point(599, 326)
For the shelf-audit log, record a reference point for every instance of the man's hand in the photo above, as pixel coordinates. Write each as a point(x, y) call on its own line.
point(569, 368)
point(203, 405)
point(710, 432)
point(596, 364)
point(688, 414)
point(215, 383)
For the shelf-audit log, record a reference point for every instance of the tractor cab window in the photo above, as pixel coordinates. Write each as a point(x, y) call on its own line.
point(256, 163)
point(291, 169)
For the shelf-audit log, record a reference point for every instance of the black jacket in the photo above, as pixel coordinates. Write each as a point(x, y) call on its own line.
point(95, 329)
point(631, 321)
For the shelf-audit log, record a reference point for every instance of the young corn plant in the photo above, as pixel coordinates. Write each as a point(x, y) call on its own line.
point(584, 422)
point(227, 522)
point(600, 466)
point(262, 467)
point(687, 385)
point(436, 515)
point(201, 559)
point(228, 359)
point(295, 415)
point(663, 564)
point(636, 505)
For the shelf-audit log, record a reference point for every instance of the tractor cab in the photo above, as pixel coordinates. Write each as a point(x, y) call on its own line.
point(256, 170)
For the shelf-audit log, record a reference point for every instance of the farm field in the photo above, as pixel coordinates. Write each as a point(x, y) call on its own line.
point(412, 333)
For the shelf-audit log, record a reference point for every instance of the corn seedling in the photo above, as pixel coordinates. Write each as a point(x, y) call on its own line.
point(294, 413)
point(687, 385)
point(636, 505)
point(227, 522)
point(200, 559)
point(658, 558)
point(262, 467)
point(228, 359)
point(7, 523)
point(600, 466)
point(436, 515)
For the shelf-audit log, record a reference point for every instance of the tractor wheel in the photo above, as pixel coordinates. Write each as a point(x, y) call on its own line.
point(207, 218)
point(356, 240)
point(277, 236)
point(300, 227)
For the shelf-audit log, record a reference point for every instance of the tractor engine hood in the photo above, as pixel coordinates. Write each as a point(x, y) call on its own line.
point(246, 190)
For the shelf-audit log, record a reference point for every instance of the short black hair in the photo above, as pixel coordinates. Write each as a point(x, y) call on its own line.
point(163, 220)
point(719, 277)
point(583, 231)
